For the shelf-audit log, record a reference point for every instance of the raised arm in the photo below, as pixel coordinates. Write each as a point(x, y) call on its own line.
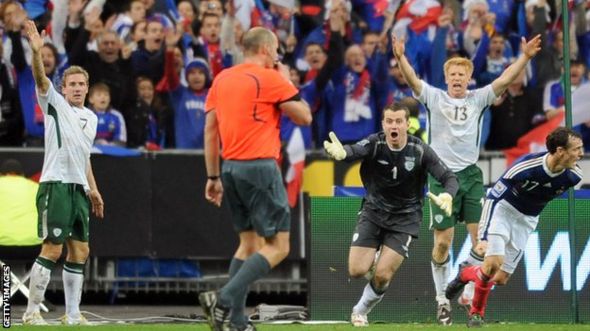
point(528, 51)
point(79, 30)
point(229, 44)
point(407, 71)
point(335, 53)
point(171, 77)
point(13, 26)
point(36, 41)
point(18, 53)
point(438, 55)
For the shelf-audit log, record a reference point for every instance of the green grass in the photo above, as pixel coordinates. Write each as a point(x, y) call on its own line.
point(322, 327)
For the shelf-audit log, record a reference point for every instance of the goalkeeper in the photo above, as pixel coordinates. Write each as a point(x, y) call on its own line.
point(394, 169)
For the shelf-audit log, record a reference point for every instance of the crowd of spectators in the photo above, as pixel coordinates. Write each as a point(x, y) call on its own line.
point(151, 62)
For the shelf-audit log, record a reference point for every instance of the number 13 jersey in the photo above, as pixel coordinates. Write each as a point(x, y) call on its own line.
point(454, 124)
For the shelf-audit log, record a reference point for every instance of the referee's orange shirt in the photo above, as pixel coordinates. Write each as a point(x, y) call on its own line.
point(245, 98)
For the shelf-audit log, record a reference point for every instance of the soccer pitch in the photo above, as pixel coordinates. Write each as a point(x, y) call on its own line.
point(322, 327)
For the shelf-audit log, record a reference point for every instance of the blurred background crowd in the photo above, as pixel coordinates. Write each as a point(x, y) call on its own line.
point(151, 62)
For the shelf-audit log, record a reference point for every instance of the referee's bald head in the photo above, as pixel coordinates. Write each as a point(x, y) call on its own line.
point(256, 38)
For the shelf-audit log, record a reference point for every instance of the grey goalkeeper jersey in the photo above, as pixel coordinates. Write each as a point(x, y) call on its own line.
point(395, 179)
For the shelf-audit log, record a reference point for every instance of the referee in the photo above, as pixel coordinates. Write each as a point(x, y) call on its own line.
point(244, 107)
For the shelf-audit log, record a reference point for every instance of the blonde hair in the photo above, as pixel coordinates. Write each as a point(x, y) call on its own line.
point(459, 61)
point(72, 71)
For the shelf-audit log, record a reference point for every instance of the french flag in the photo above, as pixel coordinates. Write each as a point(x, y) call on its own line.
point(294, 156)
point(533, 141)
point(418, 14)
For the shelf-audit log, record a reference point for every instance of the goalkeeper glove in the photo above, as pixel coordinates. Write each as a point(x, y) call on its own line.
point(334, 148)
point(444, 201)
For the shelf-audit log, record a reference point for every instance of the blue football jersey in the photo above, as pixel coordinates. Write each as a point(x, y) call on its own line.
point(529, 184)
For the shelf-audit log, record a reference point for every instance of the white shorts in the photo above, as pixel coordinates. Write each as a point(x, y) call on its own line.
point(506, 230)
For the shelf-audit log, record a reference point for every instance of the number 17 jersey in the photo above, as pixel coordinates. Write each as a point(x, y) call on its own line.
point(454, 124)
point(529, 184)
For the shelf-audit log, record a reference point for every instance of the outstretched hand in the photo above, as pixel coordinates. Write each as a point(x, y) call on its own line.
point(334, 147)
point(75, 7)
point(446, 18)
point(399, 46)
point(173, 35)
point(532, 47)
point(35, 40)
point(335, 18)
point(91, 18)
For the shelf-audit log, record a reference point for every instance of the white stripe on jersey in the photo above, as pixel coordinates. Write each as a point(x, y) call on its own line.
point(578, 171)
point(485, 219)
point(44, 230)
point(523, 166)
point(409, 241)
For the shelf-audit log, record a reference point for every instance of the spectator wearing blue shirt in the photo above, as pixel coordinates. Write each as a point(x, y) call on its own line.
point(547, 65)
point(370, 45)
point(321, 35)
point(111, 129)
point(371, 13)
point(148, 59)
point(53, 63)
point(12, 17)
point(553, 96)
point(189, 102)
point(495, 61)
point(354, 98)
point(135, 11)
point(397, 86)
point(503, 9)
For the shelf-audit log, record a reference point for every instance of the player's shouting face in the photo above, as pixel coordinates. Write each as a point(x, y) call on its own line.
point(457, 79)
point(395, 126)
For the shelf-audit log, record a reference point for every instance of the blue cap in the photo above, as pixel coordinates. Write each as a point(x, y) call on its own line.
point(200, 64)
